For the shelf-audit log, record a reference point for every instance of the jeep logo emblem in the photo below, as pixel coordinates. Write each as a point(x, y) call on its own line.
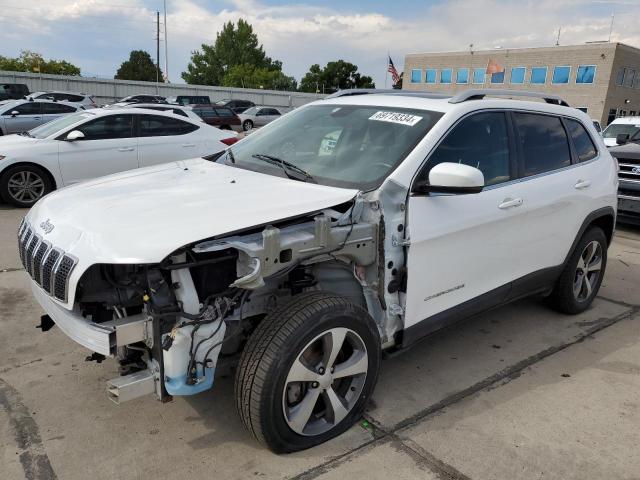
point(636, 170)
point(47, 226)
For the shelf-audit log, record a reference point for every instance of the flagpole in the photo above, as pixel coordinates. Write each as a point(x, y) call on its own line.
point(386, 75)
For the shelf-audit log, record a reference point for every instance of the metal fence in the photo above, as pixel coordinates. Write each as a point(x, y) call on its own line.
point(108, 90)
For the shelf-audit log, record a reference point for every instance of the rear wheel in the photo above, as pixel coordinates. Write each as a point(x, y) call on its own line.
point(582, 276)
point(247, 125)
point(23, 185)
point(307, 372)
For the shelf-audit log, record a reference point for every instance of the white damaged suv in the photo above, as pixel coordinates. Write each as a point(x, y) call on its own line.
point(350, 226)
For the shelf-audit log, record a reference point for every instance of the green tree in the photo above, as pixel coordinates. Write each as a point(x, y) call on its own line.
point(140, 66)
point(248, 76)
point(237, 53)
point(29, 61)
point(333, 77)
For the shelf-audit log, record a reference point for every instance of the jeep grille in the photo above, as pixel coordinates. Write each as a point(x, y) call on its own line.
point(47, 265)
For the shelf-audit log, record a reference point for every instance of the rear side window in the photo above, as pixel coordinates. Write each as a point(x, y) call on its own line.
point(480, 141)
point(108, 127)
point(29, 108)
point(224, 112)
point(585, 149)
point(157, 126)
point(544, 143)
point(56, 108)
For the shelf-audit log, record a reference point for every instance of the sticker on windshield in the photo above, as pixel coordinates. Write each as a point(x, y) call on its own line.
point(396, 117)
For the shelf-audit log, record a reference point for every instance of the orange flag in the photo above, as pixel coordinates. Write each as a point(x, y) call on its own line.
point(494, 67)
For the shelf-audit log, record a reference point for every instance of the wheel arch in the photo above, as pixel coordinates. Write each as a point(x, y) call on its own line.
point(47, 172)
point(605, 218)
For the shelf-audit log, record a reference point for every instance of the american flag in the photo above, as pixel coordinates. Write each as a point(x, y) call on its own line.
point(392, 70)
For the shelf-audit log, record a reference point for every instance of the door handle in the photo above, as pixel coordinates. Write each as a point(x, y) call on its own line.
point(126, 149)
point(582, 184)
point(188, 145)
point(510, 203)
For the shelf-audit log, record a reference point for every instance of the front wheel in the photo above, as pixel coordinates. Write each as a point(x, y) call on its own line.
point(23, 185)
point(247, 125)
point(307, 372)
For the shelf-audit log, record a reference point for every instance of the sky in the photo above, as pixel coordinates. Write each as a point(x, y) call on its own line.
point(97, 35)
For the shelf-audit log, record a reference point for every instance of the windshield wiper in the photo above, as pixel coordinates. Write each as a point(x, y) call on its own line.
point(287, 167)
point(26, 134)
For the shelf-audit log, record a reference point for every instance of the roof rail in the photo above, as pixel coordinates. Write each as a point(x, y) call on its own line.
point(370, 91)
point(480, 93)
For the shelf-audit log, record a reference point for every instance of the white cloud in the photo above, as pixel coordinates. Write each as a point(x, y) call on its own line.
point(300, 35)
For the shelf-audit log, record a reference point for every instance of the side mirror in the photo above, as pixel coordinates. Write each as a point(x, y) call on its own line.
point(74, 135)
point(14, 113)
point(622, 138)
point(452, 178)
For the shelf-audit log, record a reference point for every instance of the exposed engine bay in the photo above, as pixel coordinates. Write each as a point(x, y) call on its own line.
point(175, 321)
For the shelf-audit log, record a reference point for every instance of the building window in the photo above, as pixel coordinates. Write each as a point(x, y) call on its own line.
point(612, 115)
point(497, 77)
point(586, 74)
point(416, 75)
point(517, 74)
point(582, 109)
point(632, 113)
point(430, 75)
point(538, 75)
point(445, 75)
point(462, 76)
point(479, 74)
point(561, 74)
point(629, 76)
point(620, 76)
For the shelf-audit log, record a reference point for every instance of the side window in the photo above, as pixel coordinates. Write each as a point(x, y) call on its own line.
point(585, 149)
point(56, 108)
point(273, 111)
point(224, 112)
point(544, 142)
point(108, 127)
point(177, 111)
point(30, 108)
point(157, 126)
point(480, 141)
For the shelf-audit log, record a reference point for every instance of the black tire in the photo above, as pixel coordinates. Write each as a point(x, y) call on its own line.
point(564, 297)
point(8, 193)
point(247, 125)
point(277, 342)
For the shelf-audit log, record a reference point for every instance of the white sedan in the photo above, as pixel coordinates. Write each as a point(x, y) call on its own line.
point(98, 142)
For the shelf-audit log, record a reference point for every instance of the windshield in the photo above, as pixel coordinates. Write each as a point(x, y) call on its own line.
point(251, 111)
point(340, 145)
point(53, 127)
point(615, 129)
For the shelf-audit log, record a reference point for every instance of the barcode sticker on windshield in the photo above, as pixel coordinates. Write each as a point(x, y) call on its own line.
point(395, 117)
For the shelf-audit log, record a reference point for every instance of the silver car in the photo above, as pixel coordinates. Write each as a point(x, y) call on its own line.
point(22, 115)
point(258, 116)
point(83, 99)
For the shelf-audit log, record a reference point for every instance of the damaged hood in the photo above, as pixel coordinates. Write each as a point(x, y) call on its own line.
point(143, 215)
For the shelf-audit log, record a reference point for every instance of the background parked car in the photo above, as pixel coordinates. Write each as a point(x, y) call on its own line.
point(221, 117)
point(143, 99)
point(190, 99)
point(83, 99)
point(181, 110)
point(628, 156)
point(238, 106)
point(629, 126)
point(21, 115)
point(98, 142)
point(258, 116)
point(13, 91)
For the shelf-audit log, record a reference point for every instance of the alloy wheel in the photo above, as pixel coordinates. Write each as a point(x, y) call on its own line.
point(26, 186)
point(325, 381)
point(587, 271)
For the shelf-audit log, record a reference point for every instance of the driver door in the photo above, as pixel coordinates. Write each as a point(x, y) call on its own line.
point(466, 249)
point(108, 146)
point(29, 115)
